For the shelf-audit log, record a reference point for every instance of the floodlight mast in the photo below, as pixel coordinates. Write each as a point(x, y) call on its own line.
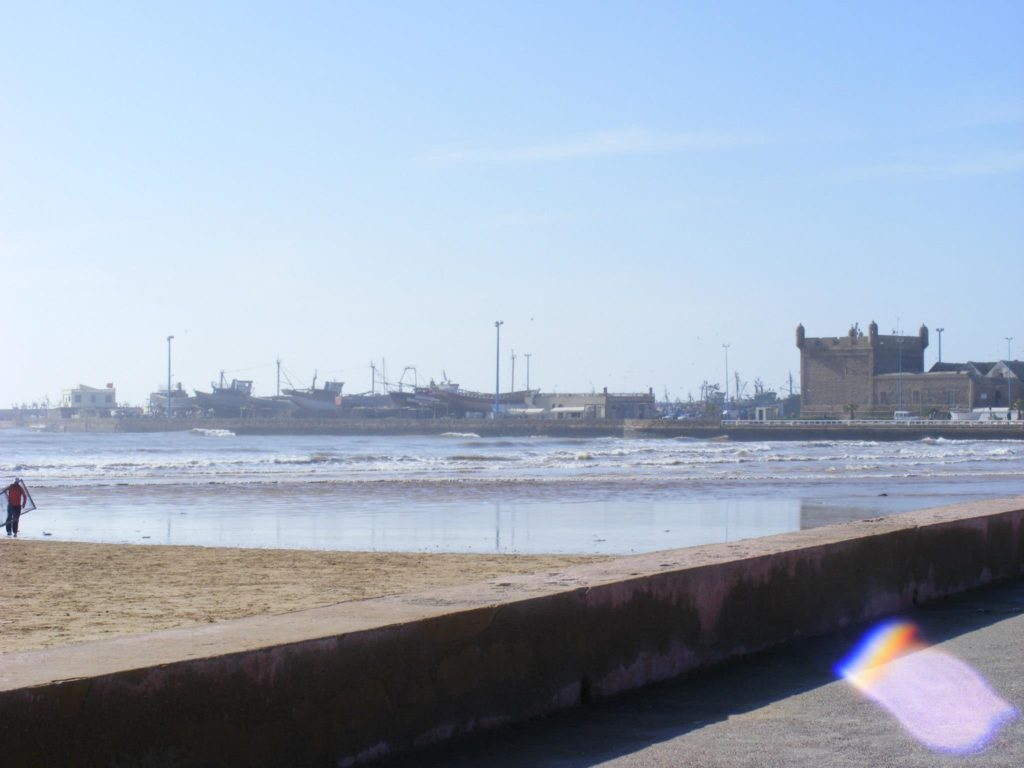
point(497, 366)
point(169, 338)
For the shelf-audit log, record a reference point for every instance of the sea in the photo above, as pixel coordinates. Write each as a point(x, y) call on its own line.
point(460, 492)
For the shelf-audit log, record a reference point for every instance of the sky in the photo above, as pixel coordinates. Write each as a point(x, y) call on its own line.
point(626, 186)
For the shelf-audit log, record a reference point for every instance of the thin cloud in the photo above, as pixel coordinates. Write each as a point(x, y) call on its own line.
point(604, 144)
point(990, 165)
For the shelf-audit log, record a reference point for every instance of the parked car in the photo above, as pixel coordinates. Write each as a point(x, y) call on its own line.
point(905, 416)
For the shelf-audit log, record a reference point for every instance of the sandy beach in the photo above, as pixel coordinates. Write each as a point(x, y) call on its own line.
point(65, 592)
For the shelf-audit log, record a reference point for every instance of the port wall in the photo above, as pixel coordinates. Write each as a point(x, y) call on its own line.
point(346, 684)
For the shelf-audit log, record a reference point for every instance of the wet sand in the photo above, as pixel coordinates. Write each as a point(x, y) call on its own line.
point(67, 592)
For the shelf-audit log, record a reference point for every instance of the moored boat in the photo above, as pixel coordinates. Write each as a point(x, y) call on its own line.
point(450, 397)
point(462, 401)
point(237, 399)
point(327, 399)
point(180, 402)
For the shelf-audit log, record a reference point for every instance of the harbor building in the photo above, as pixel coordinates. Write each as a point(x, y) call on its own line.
point(877, 375)
point(603, 405)
point(985, 386)
point(841, 373)
point(87, 401)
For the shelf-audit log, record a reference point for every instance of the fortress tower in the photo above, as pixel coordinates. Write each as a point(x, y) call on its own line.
point(839, 371)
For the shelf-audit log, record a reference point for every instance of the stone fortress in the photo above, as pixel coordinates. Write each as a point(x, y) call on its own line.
point(876, 375)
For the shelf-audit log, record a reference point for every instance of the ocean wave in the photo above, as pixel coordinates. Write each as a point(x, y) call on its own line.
point(373, 458)
point(588, 482)
point(1002, 452)
point(470, 461)
point(212, 432)
point(461, 434)
point(313, 458)
point(482, 457)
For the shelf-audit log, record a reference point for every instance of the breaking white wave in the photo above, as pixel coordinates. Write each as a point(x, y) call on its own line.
point(212, 432)
point(178, 458)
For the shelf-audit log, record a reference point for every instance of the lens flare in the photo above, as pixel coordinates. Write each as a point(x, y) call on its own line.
point(940, 700)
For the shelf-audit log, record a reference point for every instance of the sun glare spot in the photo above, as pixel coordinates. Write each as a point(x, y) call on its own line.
point(939, 699)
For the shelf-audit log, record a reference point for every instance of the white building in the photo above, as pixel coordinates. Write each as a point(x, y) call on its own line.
point(88, 401)
point(603, 405)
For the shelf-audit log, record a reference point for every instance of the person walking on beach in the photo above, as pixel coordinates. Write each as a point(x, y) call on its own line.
point(15, 503)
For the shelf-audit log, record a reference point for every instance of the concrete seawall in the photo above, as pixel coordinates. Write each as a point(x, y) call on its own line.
point(343, 684)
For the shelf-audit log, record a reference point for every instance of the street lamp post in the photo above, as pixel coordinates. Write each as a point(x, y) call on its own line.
point(1009, 381)
point(726, 348)
point(513, 389)
point(527, 356)
point(169, 376)
point(497, 366)
point(939, 331)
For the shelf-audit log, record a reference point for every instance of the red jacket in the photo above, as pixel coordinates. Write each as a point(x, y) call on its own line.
point(15, 495)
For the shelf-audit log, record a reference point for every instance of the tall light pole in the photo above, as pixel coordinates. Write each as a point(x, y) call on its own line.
point(169, 376)
point(939, 331)
point(497, 365)
point(726, 348)
point(513, 389)
point(1009, 381)
point(527, 356)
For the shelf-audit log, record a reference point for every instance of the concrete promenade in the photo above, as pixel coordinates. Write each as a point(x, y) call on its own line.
point(783, 707)
point(357, 681)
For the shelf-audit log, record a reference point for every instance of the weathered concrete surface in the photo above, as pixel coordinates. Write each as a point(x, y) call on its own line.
point(347, 683)
point(781, 708)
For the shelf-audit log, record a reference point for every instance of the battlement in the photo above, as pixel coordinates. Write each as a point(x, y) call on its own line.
point(838, 372)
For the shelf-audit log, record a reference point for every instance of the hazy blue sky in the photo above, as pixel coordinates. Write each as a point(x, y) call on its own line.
point(626, 185)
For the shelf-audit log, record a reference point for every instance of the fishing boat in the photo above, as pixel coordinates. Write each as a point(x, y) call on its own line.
point(463, 401)
point(451, 398)
point(237, 399)
point(326, 399)
point(417, 397)
point(375, 401)
point(180, 402)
